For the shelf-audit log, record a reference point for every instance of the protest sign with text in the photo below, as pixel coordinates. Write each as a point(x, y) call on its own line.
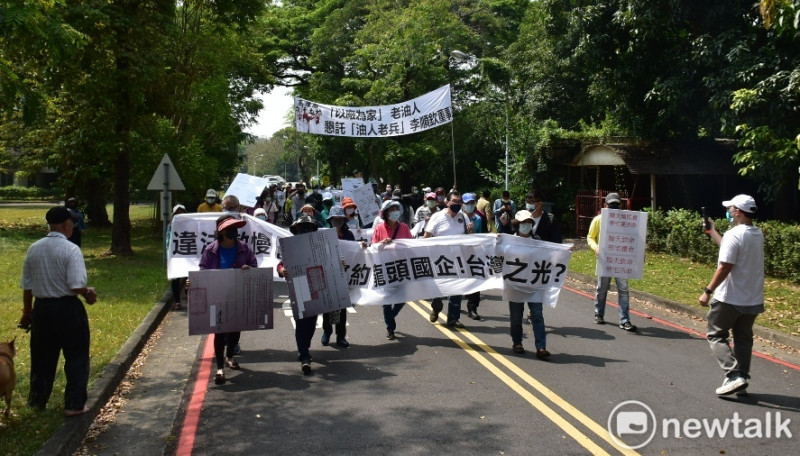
point(621, 244)
point(227, 300)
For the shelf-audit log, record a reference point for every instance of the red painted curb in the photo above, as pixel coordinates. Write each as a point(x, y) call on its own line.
point(189, 429)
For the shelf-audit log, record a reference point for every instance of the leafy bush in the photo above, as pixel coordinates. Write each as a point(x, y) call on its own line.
point(679, 232)
point(28, 193)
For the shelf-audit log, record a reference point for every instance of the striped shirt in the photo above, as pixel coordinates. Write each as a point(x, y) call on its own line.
point(53, 267)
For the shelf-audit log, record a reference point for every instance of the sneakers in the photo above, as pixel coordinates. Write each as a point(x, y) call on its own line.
point(305, 365)
point(390, 335)
point(219, 378)
point(732, 385)
point(456, 324)
point(434, 316)
point(342, 342)
point(326, 338)
point(237, 350)
point(627, 326)
point(599, 320)
point(473, 314)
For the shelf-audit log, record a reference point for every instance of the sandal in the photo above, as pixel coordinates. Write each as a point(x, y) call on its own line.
point(542, 353)
point(518, 348)
point(219, 379)
point(177, 306)
point(230, 362)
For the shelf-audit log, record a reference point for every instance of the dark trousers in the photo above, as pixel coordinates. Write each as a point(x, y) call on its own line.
point(177, 286)
point(390, 311)
point(473, 301)
point(224, 344)
point(59, 324)
point(453, 308)
point(341, 327)
point(303, 333)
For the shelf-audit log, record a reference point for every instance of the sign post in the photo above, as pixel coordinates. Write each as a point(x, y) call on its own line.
point(165, 178)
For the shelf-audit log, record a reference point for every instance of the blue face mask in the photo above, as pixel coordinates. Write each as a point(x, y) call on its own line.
point(729, 216)
point(530, 207)
point(394, 216)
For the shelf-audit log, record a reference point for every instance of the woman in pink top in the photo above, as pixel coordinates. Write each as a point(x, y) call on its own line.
point(384, 233)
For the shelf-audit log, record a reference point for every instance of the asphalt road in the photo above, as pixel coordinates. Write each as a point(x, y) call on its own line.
point(441, 391)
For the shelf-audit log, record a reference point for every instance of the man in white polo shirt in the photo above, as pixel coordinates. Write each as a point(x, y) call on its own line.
point(448, 222)
point(738, 292)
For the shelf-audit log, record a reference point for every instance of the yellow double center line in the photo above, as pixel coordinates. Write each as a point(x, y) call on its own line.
point(545, 409)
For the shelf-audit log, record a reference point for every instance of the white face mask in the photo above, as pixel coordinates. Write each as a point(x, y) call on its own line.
point(394, 216)
point(525, 228)
point(530, 207)
point(430, 203)
point(469, 208)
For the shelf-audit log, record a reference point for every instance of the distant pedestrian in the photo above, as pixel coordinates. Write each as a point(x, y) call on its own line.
point(227, 252)
point(484, 206)
point(423, 214)
point(738, 292)
point(78, 220)
point(53, 275)
point(211, 204)
point(351, 212)
point(603, 283)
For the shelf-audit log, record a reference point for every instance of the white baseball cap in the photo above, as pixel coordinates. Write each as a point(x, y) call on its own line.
point(743, 202)
point(211, 193)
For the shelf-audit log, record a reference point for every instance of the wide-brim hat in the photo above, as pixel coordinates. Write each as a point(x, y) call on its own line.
point(348, 202)
point(336, 211)
point(303, 219)
point(230, 222)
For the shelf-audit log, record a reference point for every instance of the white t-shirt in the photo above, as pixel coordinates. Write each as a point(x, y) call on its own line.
point(742, 246)
point(441, 224)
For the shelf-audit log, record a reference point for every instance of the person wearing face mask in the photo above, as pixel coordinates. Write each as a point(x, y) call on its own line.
point(327, 204)
point(210, 204)
point(474, 225)
point(424, 213)
point(504, 210)
point(441, 198)
point(392, 228)
point(737, 287)
point(260, 214)
point(308, 209)
point(351, 212)
point(227, 252)
point(304, 327)
point(603, 283)
point(448, 222)
point(337, 221)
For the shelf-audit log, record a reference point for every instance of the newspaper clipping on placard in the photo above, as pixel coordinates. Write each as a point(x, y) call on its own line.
point(315, 274)
point(228, 300)
point(349, 184)
point(622, 242)
point(368, 207)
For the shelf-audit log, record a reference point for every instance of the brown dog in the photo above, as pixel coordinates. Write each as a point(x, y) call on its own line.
point(8, 378)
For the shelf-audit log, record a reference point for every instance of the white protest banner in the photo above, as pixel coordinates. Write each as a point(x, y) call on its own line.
point(622, 242)
point(315, 274)
point(368, 207)
point(227, 300)
point(413, 269)
point(349, 184)
point(191, 233)
point(247, 188)
point(419, 114)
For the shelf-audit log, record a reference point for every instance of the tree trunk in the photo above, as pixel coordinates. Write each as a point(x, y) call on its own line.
point(121, 231)
point(96, 212)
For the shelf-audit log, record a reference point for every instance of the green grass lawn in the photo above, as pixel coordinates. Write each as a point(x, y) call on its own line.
point(683, 281)
point(127, 287)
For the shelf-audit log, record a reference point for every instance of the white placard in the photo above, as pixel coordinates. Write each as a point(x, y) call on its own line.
point(621, 244)
point(368, 207)
point(247, 188)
